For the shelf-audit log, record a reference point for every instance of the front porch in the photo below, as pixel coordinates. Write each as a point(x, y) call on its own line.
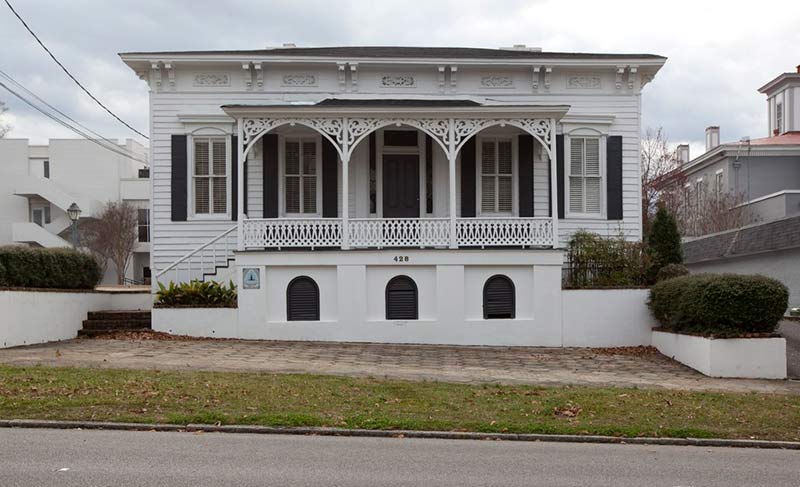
point(368, 174)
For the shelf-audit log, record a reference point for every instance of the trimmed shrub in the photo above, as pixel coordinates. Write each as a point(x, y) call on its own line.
point(198, 294)
point(671, 271)
point(720, 305)
point(593, 261)
point(60, 268)
point(663, 242)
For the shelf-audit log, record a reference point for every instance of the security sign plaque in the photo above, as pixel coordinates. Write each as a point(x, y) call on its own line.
point(251, 278)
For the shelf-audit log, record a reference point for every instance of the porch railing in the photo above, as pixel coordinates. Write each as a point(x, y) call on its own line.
point(500, 232)
point(301, 232)
point(397, 232)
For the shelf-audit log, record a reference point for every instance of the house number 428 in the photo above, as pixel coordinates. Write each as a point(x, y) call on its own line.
point(401, 258)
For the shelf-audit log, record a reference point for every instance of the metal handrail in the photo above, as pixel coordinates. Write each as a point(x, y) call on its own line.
point(198, 250)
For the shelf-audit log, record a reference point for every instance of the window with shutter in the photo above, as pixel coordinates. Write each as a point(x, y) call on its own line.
point(401, 299)
point(496, 182)
point(499, 298)
point(300, 176)
point(210, 175)
point(585, 176)
point(302, 300)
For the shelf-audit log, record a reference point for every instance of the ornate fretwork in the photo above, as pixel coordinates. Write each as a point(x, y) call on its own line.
point(347, 133)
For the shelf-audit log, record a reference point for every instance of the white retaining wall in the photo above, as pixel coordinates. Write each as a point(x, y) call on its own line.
point(752, 358)
point(30, 317)
point(606, 318)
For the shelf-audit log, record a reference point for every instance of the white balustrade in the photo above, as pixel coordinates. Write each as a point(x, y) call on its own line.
point(292, 232)
point(498, 232)
point(399, 232)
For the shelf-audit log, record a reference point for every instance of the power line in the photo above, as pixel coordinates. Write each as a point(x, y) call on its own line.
point(70, 74)
point(44, 102)
point(115, 148)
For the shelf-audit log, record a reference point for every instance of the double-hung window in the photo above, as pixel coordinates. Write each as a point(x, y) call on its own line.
point(585, 176)
point(143, 224)
point(301, 164)
point(497, 175)
point(210, 175)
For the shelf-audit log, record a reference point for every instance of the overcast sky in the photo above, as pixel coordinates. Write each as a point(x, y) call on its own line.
point(719, 53)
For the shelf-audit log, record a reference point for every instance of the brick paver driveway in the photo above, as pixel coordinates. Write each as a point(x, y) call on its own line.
point(521, 365)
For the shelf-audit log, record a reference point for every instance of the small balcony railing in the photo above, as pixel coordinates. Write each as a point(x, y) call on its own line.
point(378, 233)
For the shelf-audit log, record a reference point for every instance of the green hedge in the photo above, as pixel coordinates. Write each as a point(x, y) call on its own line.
point(671, 271)
point(197, 294)
point(721, 305)
point(47, 268)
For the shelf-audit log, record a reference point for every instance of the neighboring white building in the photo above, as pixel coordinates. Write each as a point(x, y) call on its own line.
point(462, 172)
point(39, 182)
point(764, 176)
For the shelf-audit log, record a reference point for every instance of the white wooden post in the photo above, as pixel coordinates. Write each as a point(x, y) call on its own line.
point(240, 185)
point(451, 160)
point(345, 186)
point(554, 182)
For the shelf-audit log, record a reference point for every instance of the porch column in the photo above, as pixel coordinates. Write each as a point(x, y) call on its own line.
point(345, 186)
point(554, 182)
point(240, 185)
point(451, 160)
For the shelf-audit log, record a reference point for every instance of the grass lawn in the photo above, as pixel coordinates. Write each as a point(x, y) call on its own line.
point(314, 400)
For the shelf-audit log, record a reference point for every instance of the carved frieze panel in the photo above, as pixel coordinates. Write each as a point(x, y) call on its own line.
point(299, 80)
point(583, 82)
point(398, 81)
point(212, 79)
point(496, 81)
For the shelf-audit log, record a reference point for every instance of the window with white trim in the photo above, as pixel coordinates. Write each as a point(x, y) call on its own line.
point(210, 175)
point(301, 185)
point(585, 176)
point(497, 175)
point(718, 183)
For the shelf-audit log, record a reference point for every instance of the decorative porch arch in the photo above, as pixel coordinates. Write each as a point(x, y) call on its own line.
point(253, 129)
point(542, 130)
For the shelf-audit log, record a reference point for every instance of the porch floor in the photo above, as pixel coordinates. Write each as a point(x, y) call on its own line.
point(510, 365)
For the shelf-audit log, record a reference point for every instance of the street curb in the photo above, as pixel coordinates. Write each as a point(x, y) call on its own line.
point(445, 435)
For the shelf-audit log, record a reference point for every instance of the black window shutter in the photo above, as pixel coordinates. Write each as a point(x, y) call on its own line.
point(499, 300)
point(234, 178)
point(179, 179)
point(401, 299)
point(468, 178)
point(302, 300)
point(270, 181)
point(330, 163)
point(614, 177)
point(560, 174)
point(525, 158)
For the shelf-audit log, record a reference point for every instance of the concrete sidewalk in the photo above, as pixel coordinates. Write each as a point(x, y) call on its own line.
point(511, 365)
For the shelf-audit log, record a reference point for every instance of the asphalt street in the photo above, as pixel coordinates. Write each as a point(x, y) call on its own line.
point(93, 458)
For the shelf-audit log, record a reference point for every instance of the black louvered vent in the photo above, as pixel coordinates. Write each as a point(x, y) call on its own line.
point(401, 299)
point(498, 298)
point(302, 300)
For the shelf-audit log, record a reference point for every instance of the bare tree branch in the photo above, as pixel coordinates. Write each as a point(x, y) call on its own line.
point(112, 235)
point(658, 163)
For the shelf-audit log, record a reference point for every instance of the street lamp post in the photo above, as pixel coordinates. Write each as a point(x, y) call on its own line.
point(74, 213)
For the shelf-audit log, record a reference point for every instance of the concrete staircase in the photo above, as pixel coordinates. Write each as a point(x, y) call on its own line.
point(102, 322)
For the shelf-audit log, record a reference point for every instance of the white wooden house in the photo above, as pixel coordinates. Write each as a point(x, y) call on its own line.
point(390, 193)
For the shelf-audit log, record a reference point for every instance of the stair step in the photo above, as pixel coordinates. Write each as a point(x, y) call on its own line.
point(120, 315)
point(101, 332)
point(116, 324)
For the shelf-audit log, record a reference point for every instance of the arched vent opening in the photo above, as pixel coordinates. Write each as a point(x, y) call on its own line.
point(498, 298)
point(302, 300)
point(402, 299)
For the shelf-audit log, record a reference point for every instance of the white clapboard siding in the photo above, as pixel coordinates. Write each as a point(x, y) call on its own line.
point(174, 239)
